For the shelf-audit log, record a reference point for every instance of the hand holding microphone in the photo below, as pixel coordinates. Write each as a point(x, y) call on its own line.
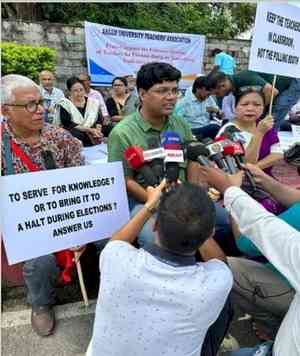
point(153, 196)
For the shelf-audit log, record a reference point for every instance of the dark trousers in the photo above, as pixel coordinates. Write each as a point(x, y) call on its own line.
point(218, 330)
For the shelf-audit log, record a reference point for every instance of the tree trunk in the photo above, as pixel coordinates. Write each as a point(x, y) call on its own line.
point(23, 11)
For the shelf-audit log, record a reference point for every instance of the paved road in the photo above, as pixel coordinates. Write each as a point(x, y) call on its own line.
point(72, 334)
point(71, 337)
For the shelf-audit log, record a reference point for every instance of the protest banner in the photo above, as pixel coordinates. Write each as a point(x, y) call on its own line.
point(48, 211)
point(275, 46)
point(113, 51)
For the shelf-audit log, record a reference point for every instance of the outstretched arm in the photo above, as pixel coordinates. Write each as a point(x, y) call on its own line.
point(129, 232)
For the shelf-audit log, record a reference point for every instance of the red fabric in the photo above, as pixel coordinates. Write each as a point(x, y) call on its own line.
point(32, 167)
point(65, 261)
point(64, 258)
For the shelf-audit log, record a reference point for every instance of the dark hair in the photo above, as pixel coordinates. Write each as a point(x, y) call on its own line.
point(186, 218)
point(121, 79)
point(156, 72)
point(71, 81)
point(216, 77)
point(243, 91)
point(201, 82)
point(215, 51)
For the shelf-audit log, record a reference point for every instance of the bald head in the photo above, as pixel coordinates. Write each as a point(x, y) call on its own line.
point(46, 79)
point(86, 81)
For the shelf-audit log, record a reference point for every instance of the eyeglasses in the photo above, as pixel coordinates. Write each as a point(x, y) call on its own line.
point(118, 85)
point(31, 107)
point(165, 92)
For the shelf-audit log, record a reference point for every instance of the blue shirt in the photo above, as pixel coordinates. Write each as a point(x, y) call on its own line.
point(225, 62)
point(194, 111)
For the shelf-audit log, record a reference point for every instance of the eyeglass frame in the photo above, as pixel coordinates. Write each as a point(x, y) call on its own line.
point(25, 106)
point(165, 92)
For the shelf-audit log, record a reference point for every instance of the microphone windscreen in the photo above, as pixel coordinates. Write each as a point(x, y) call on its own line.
point(48, 159)
point(170, 140)
point(228, 151)
point(196, 149)
point(134, 156)
point(234, 134)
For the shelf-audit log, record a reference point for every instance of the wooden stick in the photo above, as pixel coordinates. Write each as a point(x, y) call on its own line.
point(272, 94)
point(81, 280)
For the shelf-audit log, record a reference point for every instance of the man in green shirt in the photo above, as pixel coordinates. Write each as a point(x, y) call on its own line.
point(157, 85)
point(286, 91)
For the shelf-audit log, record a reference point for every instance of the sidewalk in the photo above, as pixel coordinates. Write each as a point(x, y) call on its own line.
point(71, 337)
point(73, 332)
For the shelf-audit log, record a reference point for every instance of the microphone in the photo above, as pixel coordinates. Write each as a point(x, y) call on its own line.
point(135, 159)
point(48, 159)
point(196, 151)
point(230, 161)
point(215, 153)
point(234, 134)
point(171, 143)
point(157, 162)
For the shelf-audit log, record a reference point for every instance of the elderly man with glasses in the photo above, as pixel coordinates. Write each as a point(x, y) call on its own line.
point(29, 144)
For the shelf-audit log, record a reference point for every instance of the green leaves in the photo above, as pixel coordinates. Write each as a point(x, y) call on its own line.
point(26, 60)
point(221, 20)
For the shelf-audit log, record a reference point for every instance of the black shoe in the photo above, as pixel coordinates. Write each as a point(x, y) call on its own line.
point(43, 320)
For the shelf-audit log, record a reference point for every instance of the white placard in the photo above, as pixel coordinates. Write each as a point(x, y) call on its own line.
point(296, 131)
point(275, 47)
point(48, 211)
point(95, 154)
point(114, 51)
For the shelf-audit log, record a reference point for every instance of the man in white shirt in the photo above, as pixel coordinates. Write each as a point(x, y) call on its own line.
point(158, 300)
point(50, 94)
point(198, 108)
point(279, 243)
point(92, 93)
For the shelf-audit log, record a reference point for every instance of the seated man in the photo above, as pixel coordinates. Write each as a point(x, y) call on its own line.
point(50, 94)
point(24, 128)
point(159, 300)
point(132, 101)
point(286, 91)
point(278, 242)
point(157, 84)
point(95, 94)
point(198, 108)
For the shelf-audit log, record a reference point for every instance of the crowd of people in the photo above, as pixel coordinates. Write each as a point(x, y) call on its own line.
point(173, 275)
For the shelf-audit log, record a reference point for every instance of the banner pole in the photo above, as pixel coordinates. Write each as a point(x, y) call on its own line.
point(272, 94)
point(81, 281)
